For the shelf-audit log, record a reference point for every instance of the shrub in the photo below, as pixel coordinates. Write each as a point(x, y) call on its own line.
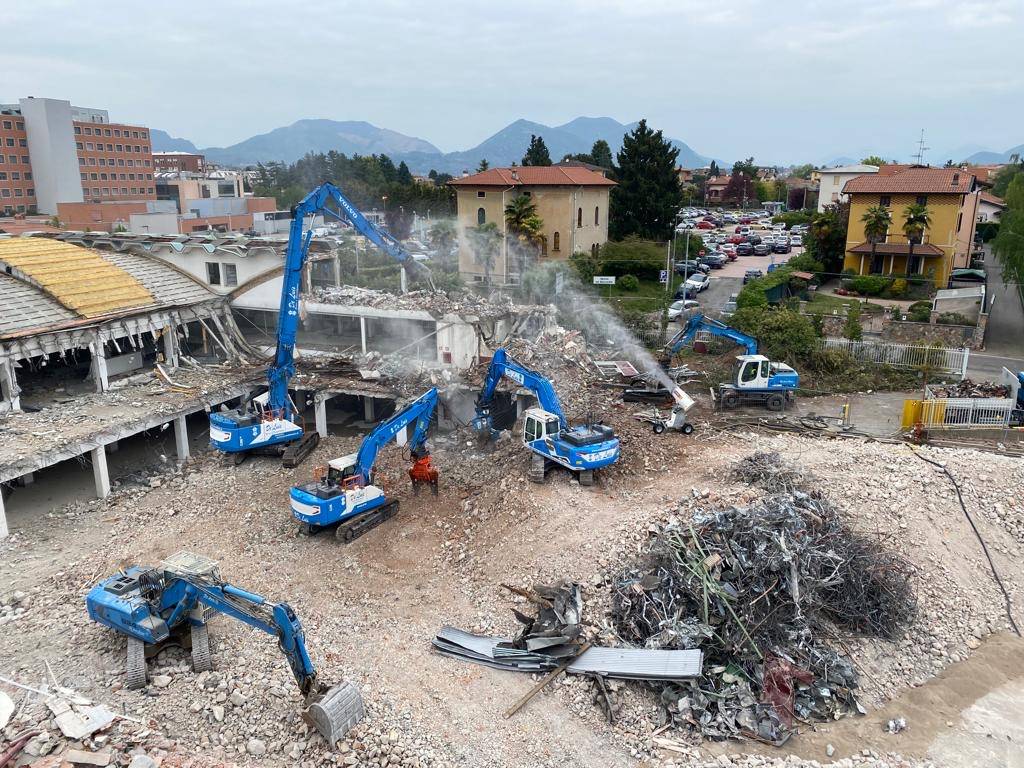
point(781, 333)
point(898, 288)
point(988, 230)
point(819, 324)
point(869, 285)
point(644, 258)
point(852, 328)
point(629, 283)
point(789, 218)
point(952, 318)
point(805, 263)
point(920, 312)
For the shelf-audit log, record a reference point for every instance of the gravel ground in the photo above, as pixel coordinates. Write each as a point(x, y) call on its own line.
point(370, 608)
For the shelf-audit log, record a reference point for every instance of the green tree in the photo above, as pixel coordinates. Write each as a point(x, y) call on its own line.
point(1008, 245)
point(648, 197)
point(485, 243)
point(916, 220)
point(483, 165)
point(537, 152)
point(404, 175)
point(873, 160)
point(443, 238)
point(1006, 175)
point(876, 221)
point(802, 171)
point(826, 238)
point(852, 328)
point(747, 167)
point(601, 154)
point(525, 230)
point(399, 222)
point(713, 170)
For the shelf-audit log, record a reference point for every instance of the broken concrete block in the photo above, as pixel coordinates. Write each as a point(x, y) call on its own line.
point(81, 757)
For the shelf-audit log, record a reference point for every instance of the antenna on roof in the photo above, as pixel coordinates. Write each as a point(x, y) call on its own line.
point(921, 149)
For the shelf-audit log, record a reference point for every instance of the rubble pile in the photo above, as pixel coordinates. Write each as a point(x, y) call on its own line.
point(760, 589)
point(437, 304)
point(968, 388)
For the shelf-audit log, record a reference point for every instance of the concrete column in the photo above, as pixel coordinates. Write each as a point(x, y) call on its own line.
point(3, 519)
point(337, 270)
point(320, 410)
point(368, 409)
point(171, 346)
point(99, 362)
point(181, 439)
point(362, 332)
point(100, 473)
point(27, 479)
point(9, 385)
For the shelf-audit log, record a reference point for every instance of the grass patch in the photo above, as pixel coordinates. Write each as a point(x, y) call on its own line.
point(824, 303)
point(649, 297)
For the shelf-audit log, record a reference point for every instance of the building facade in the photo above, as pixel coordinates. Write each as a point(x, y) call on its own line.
point(571, 201)
point(71, 155)
point(832, 180)
point(951, 197)
point(179, 161)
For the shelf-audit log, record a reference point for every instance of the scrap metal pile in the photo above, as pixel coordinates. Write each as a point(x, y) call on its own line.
point(762, 590)
point(968, 388)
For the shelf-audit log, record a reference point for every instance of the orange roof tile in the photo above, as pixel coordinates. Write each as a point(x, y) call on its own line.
point(899, 249)
point(534, 176)
point(914, 180)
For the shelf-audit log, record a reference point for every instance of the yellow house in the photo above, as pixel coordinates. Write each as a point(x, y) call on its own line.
point(571, 201)
point(951, 196)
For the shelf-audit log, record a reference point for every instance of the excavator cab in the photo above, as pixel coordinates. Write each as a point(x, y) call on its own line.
point(753, 372)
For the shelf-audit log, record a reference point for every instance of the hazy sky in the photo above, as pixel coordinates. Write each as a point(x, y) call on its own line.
point(784, 80)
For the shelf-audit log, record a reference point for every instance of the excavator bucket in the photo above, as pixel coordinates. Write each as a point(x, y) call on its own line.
point(335, 711)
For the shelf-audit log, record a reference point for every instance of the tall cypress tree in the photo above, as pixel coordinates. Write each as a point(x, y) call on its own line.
point(537, 152)
point(648, 197)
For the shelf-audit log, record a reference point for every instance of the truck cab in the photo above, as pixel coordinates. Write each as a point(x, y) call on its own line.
point(758, 372)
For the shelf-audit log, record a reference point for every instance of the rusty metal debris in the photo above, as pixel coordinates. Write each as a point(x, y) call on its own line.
point(968, 388)
point(761, 589)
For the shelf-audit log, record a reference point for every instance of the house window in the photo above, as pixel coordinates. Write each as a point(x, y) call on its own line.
point(885, 201)
point(914, 265)
point(8, 124)
point(481, 193)
point(579, 218)
point(597, 215)
point(230, 275)
point(922, 199)
point(213, 273)
point(481, 216)
point(78, 130)
point(876, 264)
point(556, 242)
point(959, 220)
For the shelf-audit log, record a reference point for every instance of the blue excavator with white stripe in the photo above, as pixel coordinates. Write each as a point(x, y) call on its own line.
point(270, 423)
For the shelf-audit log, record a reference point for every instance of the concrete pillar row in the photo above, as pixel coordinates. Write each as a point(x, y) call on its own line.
point(100, 472)
point(181, 439)
point(368, 408)
point(99, 361)
point(4, 531)
point(9, 385)
point(320, 410)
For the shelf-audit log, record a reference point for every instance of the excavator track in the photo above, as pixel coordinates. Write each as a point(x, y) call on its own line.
point(295, 454)
point(136, 676)
point(350, 530)
point(538, 465)
point(201, 658)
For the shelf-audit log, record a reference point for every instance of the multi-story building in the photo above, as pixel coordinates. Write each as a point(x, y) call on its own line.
point(572, 202)
point(17, 186)
point(832, 180)
point(72, 154)
point(951, 197)
point(179, 161)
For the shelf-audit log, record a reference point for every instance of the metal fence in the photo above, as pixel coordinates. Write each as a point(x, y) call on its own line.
point(944, 359)
point(959, 413)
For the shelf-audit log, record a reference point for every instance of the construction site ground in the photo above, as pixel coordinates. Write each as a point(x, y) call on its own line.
point(370, 608)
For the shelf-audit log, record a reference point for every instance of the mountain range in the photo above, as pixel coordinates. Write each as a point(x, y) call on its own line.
point(507, 146)
point(967, 153)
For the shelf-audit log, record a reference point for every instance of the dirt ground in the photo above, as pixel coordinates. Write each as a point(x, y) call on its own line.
point(370, 608)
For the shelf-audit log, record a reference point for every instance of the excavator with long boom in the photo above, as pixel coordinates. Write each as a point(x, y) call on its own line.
point(270, 423)
point(757, 379)
point(582, 449)
point(172, 605)
point(344, 493)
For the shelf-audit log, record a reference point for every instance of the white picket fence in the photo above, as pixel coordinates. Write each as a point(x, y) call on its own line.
point(944, 359)
point(966, 412)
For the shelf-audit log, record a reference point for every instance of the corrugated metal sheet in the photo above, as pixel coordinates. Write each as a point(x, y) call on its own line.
point(166, 284)
point(26, 307)
point(80, 279)
point(639, 663)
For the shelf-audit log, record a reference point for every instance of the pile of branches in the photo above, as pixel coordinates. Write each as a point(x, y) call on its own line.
point(762, 590)
point(769, 471)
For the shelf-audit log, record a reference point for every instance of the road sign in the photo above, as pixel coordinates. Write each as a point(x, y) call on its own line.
point(663, 278)
point(604, 279)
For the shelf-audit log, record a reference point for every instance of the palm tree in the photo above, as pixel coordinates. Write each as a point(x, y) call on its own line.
point(484, 241)
point(876, 221)
point(524, 225)
point(916, 221)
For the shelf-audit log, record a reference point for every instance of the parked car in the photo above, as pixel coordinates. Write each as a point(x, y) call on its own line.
point(705, 225)
point(796, 241)
point(780, 227)
point(734, 239)
point(743, 230)
point(752, 274)
point(967, 275)
point(697, 282)
point(730, 306)
point(685, 225)
point(689, 267)
point(714, 260)
point(682, 305)
point(762, 249)
point(754, 239)
point(730, 251)
point(781, 247)
point(744, 249)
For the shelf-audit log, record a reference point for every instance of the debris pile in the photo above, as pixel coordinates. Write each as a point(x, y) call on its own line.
point(760, 589)
point(437, 304)
point(968, 388)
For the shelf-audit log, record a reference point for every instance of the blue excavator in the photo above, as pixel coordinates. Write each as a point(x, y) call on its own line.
point(172, 604)
point(343, 493)
point(757, 380)
point(581, 449)
point(269, 423)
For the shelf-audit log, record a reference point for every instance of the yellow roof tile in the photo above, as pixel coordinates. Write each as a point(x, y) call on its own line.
point(80, 279)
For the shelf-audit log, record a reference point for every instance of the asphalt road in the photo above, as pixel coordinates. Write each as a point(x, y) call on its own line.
point(1004, 337)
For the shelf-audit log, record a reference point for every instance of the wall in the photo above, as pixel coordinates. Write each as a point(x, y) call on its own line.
point(889, 328)
point(153, 224)
point(830, 188)
point(51, 147)
point(193, 260)
point(121, 153)
point(17, 187)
